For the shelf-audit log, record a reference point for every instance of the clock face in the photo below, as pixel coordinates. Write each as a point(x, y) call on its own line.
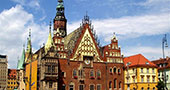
point(62, 33)
point(87, 62)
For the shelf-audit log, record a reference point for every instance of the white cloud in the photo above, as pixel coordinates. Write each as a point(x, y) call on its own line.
point(14, 26)
point(151, 53)
point(156, 5)
point(31, 3)
point(130, 26)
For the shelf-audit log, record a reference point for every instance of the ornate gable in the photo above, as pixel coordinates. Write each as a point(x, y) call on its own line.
point(86, 47)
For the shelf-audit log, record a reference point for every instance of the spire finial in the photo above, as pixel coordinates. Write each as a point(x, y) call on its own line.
point(29, 32)
point(50, 26)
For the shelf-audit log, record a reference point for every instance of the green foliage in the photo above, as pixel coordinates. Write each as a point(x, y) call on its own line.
point(160, 85)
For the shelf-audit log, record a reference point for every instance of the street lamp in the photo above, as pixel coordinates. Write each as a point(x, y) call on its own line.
point(164, 44)
point(128, 83)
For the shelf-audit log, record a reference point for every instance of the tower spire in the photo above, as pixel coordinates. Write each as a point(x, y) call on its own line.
point(29, 46)
point(60, 20)
point(49, 42)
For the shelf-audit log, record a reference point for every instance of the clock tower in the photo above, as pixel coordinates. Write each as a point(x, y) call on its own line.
point(60, 21)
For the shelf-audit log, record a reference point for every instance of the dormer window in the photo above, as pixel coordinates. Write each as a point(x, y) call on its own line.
point(147, 63)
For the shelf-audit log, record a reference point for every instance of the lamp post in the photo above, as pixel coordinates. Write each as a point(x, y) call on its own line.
point(128, 83)
point(164, 44)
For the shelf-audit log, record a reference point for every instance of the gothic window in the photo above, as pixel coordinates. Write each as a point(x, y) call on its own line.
point(49, 68)
point(119, 71)
point(50, 84)
point(110, 70)
point(91, 87)
point(110, 85)
point(98, 87)
point(75, 73)
point(92, 73)
point(114, 70)
point(81, 87)
point(53, 68)
point(71, 86)
point(120, 85)
point(98, 74)
point(115, 83)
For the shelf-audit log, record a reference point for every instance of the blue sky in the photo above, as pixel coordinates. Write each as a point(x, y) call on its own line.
point(139, 24)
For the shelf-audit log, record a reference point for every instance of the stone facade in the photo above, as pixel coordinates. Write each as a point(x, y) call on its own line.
point(3, 72)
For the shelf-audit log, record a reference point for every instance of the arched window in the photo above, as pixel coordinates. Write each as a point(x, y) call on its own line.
point(120, 85)
point(110, 84)
point(114, 70)
point(148, 88)
point(92, 74)
point(119, 71)
point(71, 86)
point(75, 73)
point(142, 88)
point(115, 83)
point(153, 88)
point(110, 70)
point(98, 74)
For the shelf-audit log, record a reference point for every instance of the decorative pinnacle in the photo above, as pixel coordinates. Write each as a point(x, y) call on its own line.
point(29, 32)
point(50, 26)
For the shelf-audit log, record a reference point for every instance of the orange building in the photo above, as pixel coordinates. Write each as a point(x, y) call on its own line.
point(140, 73)
point(12, 81)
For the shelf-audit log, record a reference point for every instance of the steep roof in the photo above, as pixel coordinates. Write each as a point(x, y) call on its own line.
point(70, 39)
point(21, 61)
point(49, 42)
point(137, 61)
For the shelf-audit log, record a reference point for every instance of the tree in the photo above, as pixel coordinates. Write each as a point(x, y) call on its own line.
point(160, 85)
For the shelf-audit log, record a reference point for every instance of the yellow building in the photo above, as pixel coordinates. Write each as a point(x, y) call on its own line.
point(140, 73)
point(12, 81)
point(31, 82)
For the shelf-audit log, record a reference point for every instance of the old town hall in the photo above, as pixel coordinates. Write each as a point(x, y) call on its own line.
point(72, 61)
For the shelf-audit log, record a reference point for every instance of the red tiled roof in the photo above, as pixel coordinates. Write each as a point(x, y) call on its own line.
point(12, 73)
point(138, 60)
point(162, 61)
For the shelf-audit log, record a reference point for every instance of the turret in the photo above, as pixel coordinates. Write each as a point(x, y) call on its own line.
point(60, 21)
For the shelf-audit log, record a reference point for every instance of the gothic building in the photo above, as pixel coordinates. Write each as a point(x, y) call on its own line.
point(74, 61)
